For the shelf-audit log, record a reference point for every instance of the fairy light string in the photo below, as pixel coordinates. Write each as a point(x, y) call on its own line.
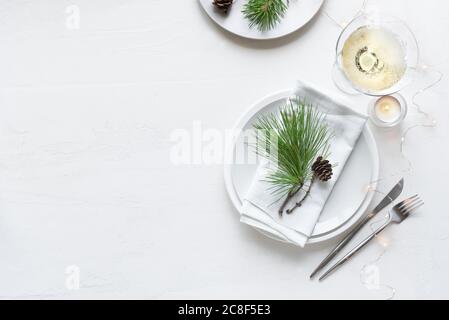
point(379, 286)
point(383, 242)
point(428, 122)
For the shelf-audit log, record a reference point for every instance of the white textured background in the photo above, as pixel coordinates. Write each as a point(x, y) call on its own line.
point(85, 176)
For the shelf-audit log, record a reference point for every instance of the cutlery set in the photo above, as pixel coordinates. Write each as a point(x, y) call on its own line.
point(397, 215)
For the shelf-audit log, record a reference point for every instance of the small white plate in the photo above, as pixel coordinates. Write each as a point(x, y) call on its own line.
point(299, 13)
point(352, 193)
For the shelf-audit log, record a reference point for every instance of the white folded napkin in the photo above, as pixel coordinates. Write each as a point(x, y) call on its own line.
point(260, 209)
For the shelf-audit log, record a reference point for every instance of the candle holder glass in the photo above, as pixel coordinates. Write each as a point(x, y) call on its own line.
point(392, 33)
point(373, 116)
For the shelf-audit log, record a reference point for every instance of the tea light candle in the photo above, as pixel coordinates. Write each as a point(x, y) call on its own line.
point(388, 111)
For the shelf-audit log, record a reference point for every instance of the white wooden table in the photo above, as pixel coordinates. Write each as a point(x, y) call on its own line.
point(87, 189)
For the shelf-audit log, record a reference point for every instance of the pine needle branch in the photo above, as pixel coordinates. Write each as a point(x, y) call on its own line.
point(265, 14)
point(292, 140)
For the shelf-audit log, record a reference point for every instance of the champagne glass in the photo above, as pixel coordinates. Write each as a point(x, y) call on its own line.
point(376, 54)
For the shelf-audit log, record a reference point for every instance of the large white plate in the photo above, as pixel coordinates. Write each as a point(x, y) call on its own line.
point(351, 195)
point(299, 13)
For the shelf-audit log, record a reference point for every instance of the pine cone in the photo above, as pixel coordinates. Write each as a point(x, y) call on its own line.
point(322, 169)
point(223, 5)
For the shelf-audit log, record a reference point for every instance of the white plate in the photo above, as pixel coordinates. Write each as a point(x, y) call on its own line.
point(351, 195)
point(299, 13)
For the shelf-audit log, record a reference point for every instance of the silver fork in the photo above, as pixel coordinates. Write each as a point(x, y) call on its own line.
point(397, 215)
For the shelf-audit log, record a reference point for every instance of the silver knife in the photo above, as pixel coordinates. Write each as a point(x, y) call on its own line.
point(393, 195)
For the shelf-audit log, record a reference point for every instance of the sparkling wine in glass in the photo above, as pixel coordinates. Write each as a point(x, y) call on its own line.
point(373, 59)
point(376, 55)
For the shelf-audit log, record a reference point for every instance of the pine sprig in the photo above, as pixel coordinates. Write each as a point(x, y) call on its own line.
point(265, 14)
point(292, 140)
